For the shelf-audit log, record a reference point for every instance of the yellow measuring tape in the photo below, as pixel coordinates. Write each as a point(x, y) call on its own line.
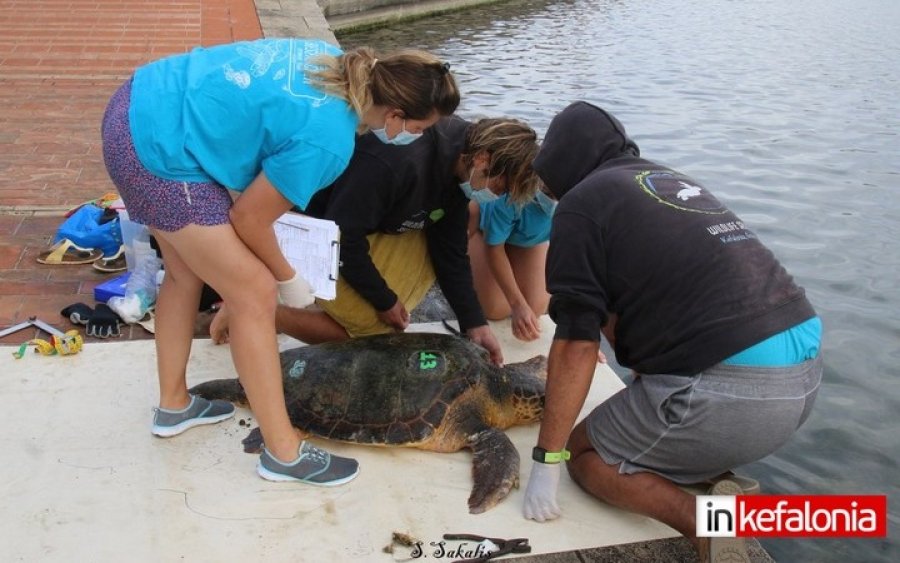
point(66, 345)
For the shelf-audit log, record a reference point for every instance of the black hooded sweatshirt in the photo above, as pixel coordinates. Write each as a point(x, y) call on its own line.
point(690, 283)
point(393, 189)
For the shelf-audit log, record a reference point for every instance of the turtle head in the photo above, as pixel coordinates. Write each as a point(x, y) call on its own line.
point(520, 390)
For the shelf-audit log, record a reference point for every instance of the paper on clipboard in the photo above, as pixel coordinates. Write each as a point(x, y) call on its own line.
point(312, 246)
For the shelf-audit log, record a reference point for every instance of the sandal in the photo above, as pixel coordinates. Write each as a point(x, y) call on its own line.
point(114, 263)
point(67, 252)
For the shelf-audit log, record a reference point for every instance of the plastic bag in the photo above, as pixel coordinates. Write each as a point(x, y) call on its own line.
point(140, 290)
point(87, 228)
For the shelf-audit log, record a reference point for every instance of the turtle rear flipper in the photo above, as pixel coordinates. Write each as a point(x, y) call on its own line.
point(495, 468)
point(224, 389)
point(253, 443)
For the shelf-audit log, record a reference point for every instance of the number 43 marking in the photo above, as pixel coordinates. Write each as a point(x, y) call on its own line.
point(427, 360)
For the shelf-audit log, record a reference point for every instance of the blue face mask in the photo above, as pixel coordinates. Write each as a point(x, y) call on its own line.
point(404, 137)
point(546, 204)
point(484, 195)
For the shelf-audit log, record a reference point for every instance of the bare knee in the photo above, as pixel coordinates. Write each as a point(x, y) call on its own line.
point(253, 294)
point(581, 450)
point(184, 280)
point(497, 311)
point(261, 298)
point(539, 304)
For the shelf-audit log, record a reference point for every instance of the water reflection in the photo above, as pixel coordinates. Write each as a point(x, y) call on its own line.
point(788, 112)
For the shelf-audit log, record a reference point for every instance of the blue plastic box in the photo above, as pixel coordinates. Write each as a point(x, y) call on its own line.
point(111, 288)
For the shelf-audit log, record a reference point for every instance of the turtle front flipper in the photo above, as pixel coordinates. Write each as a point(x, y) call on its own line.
point(495, 468)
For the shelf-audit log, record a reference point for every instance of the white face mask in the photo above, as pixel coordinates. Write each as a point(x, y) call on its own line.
point(404, 137)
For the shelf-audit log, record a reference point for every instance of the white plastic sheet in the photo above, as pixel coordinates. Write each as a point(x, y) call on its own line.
point(83, 479)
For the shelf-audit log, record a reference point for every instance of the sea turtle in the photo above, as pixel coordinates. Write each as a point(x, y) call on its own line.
point(434, 392)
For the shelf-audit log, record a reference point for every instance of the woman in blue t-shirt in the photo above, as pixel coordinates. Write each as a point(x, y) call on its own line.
point(509, 233)
point(275, 121)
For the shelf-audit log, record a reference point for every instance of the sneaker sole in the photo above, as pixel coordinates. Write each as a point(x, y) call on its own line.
point(169, 431)
point(281, 477)
point(748, 486)
point(108, 268)
point(726, 487)
point(727, 550)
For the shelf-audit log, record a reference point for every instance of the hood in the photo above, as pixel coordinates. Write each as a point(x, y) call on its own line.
point(580, 139)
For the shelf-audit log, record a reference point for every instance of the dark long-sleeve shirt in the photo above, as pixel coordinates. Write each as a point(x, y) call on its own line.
point(393, 189)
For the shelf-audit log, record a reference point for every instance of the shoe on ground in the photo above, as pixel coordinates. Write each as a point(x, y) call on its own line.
point(113, 263)
point(314, 466)
point(748, 485)
point(168, 423)
point(727, 550)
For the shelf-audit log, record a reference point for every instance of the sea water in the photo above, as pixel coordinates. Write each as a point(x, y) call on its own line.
point(789, 113)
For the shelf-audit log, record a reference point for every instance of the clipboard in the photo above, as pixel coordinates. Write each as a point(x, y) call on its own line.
point(313, 247)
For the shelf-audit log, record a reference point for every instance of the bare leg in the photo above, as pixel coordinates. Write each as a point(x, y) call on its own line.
point(643, 493)
point(310, 326)
point(528, 266)
point(216, 255)
point(176, 312)
point(490, 296)
point(307, 325)
point(474, 219)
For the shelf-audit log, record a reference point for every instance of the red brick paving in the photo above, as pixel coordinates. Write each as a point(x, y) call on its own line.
point(60, 60)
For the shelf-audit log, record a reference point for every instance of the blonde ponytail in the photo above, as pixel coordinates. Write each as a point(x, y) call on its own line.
point(415, 82)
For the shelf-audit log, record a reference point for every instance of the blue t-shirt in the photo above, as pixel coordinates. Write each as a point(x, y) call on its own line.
point(526, 225)
point(787, 348)
point(227, 112)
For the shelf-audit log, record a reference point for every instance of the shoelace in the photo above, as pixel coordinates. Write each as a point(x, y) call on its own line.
point(316, 454)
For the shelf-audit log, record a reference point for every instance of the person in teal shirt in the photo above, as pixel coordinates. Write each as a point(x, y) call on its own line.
point(273, 120)
point(509, 233)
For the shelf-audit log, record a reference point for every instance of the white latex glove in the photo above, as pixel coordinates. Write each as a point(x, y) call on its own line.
point(295, 292)
point(540, 496)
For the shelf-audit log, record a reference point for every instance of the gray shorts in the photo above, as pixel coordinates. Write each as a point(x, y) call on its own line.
point(690, 429)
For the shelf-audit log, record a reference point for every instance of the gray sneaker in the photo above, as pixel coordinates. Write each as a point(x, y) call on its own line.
point(314, 466)
point(168, 423)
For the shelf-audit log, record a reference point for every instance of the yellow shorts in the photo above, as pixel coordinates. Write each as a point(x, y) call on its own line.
point(404, 264)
